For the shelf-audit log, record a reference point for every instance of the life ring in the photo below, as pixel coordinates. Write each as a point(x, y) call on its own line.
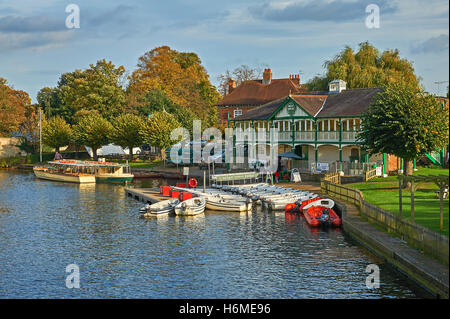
point(193, 183)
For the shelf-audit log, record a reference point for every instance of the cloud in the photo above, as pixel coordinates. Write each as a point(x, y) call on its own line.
point(120, 15)
point(318, 10)
point(435, 44)
point(37, 41)
point(18, 24)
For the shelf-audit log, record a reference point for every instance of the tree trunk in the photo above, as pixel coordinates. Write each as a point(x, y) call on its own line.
point(163, 155)
point(131, 153)
point(409, 167)
point(94, 153)
point(57, 149)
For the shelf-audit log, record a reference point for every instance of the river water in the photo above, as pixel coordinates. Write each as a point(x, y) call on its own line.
point(45, 226)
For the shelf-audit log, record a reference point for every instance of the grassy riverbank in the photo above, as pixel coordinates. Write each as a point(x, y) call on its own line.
point(383, 192)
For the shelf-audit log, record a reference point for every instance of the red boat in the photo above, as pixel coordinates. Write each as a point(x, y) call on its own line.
point(320, 213)
point(297, 207)
point(308, 201)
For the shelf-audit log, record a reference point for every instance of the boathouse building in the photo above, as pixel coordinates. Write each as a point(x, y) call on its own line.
point(320, 127)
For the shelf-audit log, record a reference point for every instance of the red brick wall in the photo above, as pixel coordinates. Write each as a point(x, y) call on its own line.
point(223, 112)
point(392, 163)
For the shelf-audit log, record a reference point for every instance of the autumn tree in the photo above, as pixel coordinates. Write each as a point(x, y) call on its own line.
point(29, 128)
point(180, 75)
point(366, 68)
point(56, 132)
point(92, 130)
point(126, 132)
point(405, 122)
point(157, 130)
point(12, 108)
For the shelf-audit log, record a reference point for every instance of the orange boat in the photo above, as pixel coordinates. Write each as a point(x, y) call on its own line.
point(320, 213)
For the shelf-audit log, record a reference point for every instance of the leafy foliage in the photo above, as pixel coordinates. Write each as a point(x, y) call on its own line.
point(366, 68)
point(92, 130)
point(56, 133)
point(179, 75)
point(12, 108)
point(157, 130)
point(96, 88)
point(405, 122)
point(126, 130)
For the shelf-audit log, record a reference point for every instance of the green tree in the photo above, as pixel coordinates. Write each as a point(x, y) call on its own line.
point(157, 130)
point(366, 68)
point(92, 130)
point(157, 101)
point(126, 132)
point(56, 132)
point(404, 122)
point(98, 87)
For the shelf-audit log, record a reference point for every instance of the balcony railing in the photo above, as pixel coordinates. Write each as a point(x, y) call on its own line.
point(306, 136)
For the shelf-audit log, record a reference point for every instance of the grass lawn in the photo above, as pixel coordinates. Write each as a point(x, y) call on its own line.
point(385, 195)
point(435, 170)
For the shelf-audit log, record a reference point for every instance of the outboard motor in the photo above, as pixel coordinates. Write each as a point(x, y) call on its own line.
point(144, 209)
point(325, 217)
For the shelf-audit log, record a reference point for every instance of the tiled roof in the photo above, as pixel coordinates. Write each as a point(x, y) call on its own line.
point(310, 103)
point(349, 102)
point(263, 112)
point(254, 92)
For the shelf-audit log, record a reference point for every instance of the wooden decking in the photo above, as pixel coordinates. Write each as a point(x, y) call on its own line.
point(146, 195)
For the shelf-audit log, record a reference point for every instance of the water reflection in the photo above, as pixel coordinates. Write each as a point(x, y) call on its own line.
point(44, 226)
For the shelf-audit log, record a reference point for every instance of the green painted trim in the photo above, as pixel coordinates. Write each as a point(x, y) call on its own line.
point(113, 179)
point(293, 118)
point(272, 116)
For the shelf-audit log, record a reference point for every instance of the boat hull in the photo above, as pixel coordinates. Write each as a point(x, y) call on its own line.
point(191, 207)
point(114, 179)
point(64, 178)
point(213, 205)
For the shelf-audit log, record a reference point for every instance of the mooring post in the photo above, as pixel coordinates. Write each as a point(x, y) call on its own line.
point(400, 195)
point(204, 181)
point(412, 200)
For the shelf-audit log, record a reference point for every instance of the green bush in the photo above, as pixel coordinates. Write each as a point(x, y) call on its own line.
point(11, 161)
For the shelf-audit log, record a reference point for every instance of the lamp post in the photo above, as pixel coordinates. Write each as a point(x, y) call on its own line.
point(40, 135)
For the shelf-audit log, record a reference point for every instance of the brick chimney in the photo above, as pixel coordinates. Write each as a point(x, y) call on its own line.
point(295, 78)
point(267, 76)
point(231, 85)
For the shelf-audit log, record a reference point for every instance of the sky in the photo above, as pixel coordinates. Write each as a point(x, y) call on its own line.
point(290, 37)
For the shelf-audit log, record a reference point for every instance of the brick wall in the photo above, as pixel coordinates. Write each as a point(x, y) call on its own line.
point(223, 112)
point(8, 148)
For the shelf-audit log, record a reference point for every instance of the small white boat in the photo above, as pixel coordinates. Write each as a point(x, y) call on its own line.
point(327, 203)
point(191, 207)
point(226, 204)
point(161, 208)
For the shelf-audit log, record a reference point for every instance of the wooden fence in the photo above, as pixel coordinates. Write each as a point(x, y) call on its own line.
point(428, 241)
point(369, 174)
point(334, 178)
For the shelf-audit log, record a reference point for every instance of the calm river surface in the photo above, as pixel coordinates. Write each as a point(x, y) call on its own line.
point(45, 226)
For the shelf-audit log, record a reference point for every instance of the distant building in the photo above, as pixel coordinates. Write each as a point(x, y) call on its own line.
point(254, 93)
